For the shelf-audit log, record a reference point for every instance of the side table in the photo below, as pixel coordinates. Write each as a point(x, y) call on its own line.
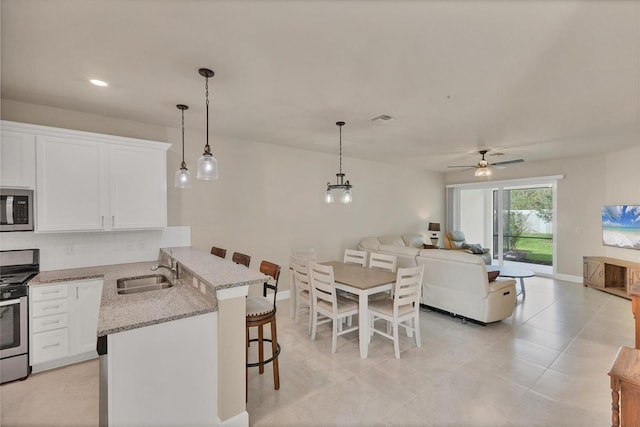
point(625, 388)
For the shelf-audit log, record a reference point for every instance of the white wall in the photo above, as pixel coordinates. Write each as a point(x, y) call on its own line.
point(589, 183)
point(269, 198)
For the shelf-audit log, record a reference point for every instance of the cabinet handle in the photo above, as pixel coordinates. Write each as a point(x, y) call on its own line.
point(51, 307)
point(52, 322)
point(113, 220)
point(51, 345)
point(51, 292)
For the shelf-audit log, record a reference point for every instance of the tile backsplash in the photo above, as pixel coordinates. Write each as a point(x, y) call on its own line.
point(79, 249)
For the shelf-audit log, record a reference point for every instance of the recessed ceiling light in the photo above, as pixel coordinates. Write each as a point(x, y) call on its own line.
point(99, 83)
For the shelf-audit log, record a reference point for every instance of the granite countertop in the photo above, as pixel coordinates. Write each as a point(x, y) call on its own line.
point(194, 293)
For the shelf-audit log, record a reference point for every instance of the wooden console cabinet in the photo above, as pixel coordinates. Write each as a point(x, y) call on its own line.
point(611, 275)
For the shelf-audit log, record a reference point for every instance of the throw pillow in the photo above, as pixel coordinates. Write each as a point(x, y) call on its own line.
point(475, 248)
point(492, 275)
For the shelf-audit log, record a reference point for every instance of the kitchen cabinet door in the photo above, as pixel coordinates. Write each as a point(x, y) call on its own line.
point(71, 187)
point(86, 295)
point(17, 159)
point(138, 187)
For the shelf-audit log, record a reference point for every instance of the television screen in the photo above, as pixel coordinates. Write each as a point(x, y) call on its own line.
point(621, 226)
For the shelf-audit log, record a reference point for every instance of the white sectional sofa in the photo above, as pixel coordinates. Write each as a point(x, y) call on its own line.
point(457, 282)
point(405, 246)
point(454, 281)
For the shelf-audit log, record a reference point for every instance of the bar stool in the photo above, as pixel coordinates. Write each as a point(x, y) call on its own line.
point(218, 252)
point(260, 311)
point(240, 258)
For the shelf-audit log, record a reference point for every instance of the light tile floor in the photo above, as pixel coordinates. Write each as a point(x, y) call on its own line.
point(545, 366)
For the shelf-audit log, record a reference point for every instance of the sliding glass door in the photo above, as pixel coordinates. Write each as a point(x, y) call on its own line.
point(515, 219)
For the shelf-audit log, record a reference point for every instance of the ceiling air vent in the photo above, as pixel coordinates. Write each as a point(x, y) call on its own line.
point(382, 118)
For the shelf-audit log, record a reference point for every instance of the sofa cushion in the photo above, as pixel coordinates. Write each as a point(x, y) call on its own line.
point(456, 236)
point(475, 248)
point(391, 239)
point(399, 250)
point(413, 240)
point(370, 243)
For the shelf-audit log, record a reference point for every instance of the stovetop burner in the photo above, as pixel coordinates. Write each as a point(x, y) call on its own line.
point(15, 279)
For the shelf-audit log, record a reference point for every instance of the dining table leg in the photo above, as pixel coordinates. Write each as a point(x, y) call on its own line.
point(363, 325)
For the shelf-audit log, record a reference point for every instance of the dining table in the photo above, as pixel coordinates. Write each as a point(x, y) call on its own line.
point(361, 281)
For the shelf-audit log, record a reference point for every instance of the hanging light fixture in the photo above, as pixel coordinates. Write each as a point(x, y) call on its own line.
point(183, 176)
point(207, 164)
point(346, 196)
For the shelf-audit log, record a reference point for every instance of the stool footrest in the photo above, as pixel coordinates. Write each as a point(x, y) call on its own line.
point(264, 362)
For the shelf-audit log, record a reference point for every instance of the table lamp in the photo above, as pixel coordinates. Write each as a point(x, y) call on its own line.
point(434, 227)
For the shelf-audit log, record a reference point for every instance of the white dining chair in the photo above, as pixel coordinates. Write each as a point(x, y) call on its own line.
point(403, 310)
point(352, 256)
point(326, 302)
point(302, 287)
point(384, 261)
point(307, 253)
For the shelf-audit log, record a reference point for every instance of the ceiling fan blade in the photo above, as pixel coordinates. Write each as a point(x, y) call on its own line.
point(468, 166)
point(507, 162)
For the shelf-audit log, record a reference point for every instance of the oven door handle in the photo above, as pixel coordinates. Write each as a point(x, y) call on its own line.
point(9, 211)
point(9, 302)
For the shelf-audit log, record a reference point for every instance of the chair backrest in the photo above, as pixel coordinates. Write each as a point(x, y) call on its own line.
point(300, 267)
point(273, 270)
point(454, 239)
point(218, 252)
point(323, 284)
point(308, 253)
point(240, 258)
point(384, 261)
point(352, 256)
point(408, 287)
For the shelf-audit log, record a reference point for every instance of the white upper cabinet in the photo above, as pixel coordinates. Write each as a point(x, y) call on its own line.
point(71, 185)
point(17, 159)
point(91, 182)
point(138, 187)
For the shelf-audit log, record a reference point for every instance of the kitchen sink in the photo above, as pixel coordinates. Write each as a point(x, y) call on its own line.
point(132, 285)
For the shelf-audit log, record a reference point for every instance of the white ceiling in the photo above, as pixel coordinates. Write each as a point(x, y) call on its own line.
point(531, 79)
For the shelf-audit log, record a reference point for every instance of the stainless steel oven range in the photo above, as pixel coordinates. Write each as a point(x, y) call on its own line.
point(17, 267)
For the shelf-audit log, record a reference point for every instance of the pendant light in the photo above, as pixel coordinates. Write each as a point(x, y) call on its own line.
point(346, 196)
point(207, 164)
point(183, 176)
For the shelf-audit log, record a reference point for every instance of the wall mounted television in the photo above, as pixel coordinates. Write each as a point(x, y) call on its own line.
point(621, 226)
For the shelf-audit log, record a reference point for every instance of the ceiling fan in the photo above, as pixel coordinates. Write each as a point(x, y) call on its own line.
point(483, 168)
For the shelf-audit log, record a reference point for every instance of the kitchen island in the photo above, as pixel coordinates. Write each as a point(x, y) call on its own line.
point(172, 356)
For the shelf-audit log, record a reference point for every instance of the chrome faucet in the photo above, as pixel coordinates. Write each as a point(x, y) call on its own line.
point(172, 267)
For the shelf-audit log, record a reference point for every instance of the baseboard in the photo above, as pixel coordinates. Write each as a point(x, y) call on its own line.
point(68, 360)
point(240, 420)
point(569, 278)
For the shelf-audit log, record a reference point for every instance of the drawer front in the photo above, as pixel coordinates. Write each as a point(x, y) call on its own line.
point(48, 323)
point(50, 345)
point(49, 292)
point(46, 308)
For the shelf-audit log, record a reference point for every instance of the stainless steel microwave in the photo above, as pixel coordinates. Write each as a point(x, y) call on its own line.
point(16, 210)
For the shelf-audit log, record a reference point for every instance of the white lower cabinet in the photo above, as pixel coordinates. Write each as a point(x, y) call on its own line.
point(63, 322)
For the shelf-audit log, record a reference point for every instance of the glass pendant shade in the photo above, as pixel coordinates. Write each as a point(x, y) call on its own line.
point(207, 167)
point(328, 196)
point(483, 172)
point(183, 178)
point(346, 196)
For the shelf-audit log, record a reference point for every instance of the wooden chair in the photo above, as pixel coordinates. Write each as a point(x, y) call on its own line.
point(325, 302)
point(262, 311)
point(402, 309)
point(352, 256)
point(384, 261)
point(302, 288)
point(240, 258)
point(222, 253)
